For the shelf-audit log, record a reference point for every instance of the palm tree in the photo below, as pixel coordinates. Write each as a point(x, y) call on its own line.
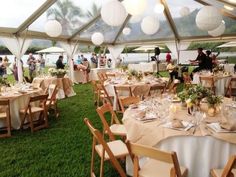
point(95, 10)
point(68, 14)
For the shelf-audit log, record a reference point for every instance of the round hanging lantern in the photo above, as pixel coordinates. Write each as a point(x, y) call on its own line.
point(159, 8)
point(218, 31)
point(184, 11)
point(150, 25)
point(97, 38)
point(135, 7)
point(53, 28)
point(208, 18)
point(113, 13)
point(126, 31)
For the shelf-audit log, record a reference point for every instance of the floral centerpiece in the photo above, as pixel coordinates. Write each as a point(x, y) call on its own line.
point(137, 75)
point(60, 73)
point(213, 104)
point(195, 94)
point(123, 67)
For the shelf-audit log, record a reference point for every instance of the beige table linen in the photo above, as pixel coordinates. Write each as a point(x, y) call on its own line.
point(64, 85)
point(18, 101)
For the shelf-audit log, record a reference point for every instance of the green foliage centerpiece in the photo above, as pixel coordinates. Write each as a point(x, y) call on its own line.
point(59, 73)
point(135, 74)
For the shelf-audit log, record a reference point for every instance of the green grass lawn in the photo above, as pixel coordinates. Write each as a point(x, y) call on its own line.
point(63, 149)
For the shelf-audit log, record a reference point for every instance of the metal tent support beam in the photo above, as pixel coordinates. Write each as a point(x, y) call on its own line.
point(227, 3)
point(222, 11)
point(170, 19)
point(35, 15)
point(84, 27)
point(121, 28)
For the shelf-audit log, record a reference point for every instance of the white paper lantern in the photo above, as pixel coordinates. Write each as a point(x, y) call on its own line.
point(218, 31)
point(53, 28)
point(113, 13)
point(159, 8)
point(126, 31)
point(208, 18)
point(97, 38)
point(184, 11)
point(150, 25)
point(135, 7)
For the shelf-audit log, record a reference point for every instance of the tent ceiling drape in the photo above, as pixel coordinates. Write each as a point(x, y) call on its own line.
point(168, 18)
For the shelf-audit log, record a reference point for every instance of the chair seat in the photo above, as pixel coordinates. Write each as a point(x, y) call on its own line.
point(34, 109)
point(155, 168)
point(117, 147)
point(118, 129)
point(3, 115)
point(218, 172)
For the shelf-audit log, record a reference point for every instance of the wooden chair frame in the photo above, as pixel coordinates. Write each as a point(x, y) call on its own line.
point(128, 101)
point(98, 138)
point(103, 92)
point(6, 104)
point(228, 167)
point(107, 108)
point(230, 87)
point(27, 113)
point(211, 81)
point(137, 150)
point(161, 87)
point(52, 100)
point(117, 89)
point(142, 95)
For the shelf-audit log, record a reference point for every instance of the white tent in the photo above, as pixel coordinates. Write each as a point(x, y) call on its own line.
point(52, 50)
point(228, 44)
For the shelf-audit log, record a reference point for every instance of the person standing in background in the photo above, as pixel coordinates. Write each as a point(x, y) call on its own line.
point(41, 61)
point(168, 57)
point(2, 67)
point(32, 66)
point(59, 63)
point(5, 64)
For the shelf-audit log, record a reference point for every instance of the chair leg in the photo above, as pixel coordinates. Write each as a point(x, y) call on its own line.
point(31, 123)
point(92, 159)
point(101, 166)
point(8, 127)
point(45, 118)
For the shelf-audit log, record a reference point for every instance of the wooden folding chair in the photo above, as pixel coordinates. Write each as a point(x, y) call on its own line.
point(112, 151)
point(227, 171)
point(5, 115)
point(102, 77)
point(31, 110)
point(120, 91)
point(157, 88)
point(51, 103)
point(208, 82)
point(115, 127)
point(110, 75)
point(95, 92)
point(159, 164)
point(141, 91)
point(231, 87)
point(125, 102)
point(103, 94)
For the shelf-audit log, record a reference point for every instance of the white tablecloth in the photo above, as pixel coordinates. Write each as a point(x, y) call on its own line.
point(17, 103)
point(93, 75)
point(228, 67)
point(79, 76)
point(221, 83)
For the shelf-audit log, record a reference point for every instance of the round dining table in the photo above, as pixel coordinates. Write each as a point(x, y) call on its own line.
point(64, 84)
point(148, 81)
point(199, 147)
point(19, 98)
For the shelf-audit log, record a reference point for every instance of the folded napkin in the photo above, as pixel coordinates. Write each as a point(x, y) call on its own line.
point(177, 123)
point(228, 126)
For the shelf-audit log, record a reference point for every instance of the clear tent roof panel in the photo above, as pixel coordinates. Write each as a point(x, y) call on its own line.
point(14, 12)
point(108, 32)
point(72, 15)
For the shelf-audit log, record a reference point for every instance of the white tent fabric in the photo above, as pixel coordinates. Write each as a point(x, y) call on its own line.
point(228, 44)
point(175, 48)
point(115, 51)
point(17, 47)
point(70, 50)
point(51, 50)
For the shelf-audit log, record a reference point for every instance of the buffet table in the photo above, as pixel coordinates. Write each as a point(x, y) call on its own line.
point(18, 100)
point(93, 75)
point(65, 85)
point(198, 147)
point(147, 67)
